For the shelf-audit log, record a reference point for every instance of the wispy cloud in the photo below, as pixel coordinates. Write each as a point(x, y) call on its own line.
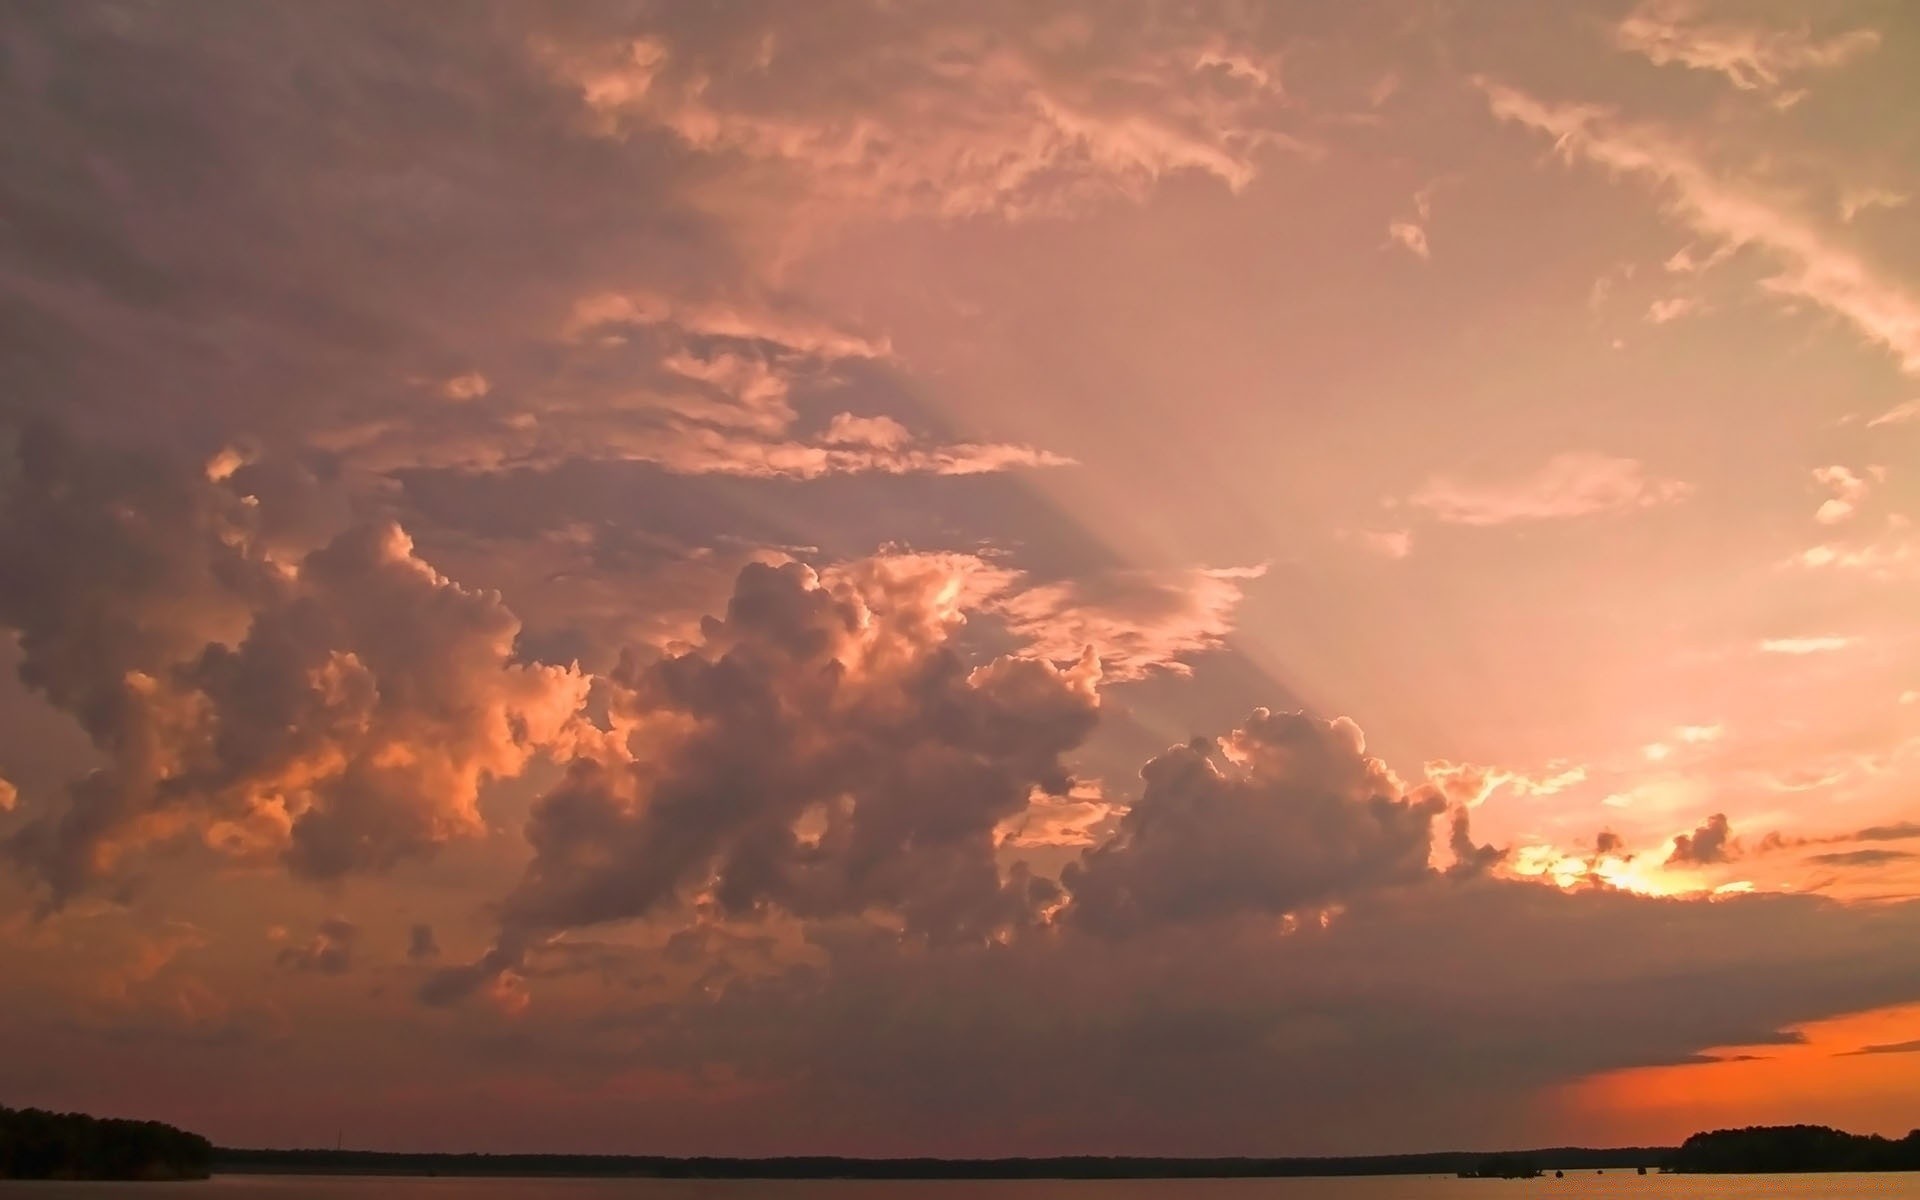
point(1660, 312)
point(1899, 414)
point(1387, 543)
point(1573, 484)
point(1137, 621)
point(1885, 1048)
point(903, 119)
point(1814, 267)
point(1823, 644)
point(1752, 57)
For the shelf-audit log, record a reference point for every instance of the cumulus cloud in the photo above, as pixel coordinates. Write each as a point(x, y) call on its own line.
point(1815, 268)
point(1573, 484)
point(1285, 814)
point(1712, 842)
point(1752, 57)
point(340, 711)
point(329, 951)
point(823, 750)
point(362, 715)
point(1848, 489)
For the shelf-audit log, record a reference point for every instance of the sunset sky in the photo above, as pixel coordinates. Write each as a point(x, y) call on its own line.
point(975, 578)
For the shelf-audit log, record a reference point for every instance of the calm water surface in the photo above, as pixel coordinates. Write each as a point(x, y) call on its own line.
point(1611, 1186)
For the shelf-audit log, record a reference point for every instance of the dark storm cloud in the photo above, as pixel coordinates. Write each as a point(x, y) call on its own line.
point(1287, 812)
point(1712, 842)
point(1432, 1009)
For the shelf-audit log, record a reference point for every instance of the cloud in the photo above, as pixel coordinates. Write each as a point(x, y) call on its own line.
point(1573, 484)
point(1855, 201)
point(708, 387)
point(822, 751)
point(1412, 237)
point(1069, 1038)
point(1660, 312)
point(742, 320)
point(1469, 785)
point(1712, 842)
point(1751, 57)
point(470, 386)
point(1814, 267)
point(1410, 233)
point(1821, 644)
point(1899, 414)
point(9, 795)
point(901, 116)
point(1898, 832)
point(1387, 543)
point(1848, 489)
point(421, 944)
point(1860, 858)
point(328, 952)
point(1885, 1048)
point(1137, 621)
point(1284, 815)
point(339, 710)
point(1082, 817)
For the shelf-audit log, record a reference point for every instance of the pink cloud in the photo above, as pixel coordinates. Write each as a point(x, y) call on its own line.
point(1573, 484)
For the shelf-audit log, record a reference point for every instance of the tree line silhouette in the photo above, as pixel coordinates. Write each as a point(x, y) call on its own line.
point(35, 1144)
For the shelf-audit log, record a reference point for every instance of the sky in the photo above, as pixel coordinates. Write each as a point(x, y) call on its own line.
point(1001, 578)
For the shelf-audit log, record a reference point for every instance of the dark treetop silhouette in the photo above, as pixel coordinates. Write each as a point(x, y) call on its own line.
point(35, 1144)
point(43, 1145)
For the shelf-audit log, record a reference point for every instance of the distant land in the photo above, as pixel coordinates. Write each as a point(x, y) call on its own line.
point(43, 1145)
point(1758, 1150)
point(367, 1162)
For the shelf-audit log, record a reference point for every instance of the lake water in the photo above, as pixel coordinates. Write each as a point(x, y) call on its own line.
point(1614, 1185)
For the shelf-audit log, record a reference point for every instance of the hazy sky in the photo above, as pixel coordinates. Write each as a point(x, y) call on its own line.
point(780, 577)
